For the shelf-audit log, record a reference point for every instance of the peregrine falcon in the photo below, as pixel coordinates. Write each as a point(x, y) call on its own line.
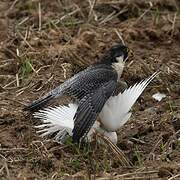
point(59, 120)
point(91, 88)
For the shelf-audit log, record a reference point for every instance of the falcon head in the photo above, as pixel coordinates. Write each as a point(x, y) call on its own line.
point(116, 54)
point(116, 57)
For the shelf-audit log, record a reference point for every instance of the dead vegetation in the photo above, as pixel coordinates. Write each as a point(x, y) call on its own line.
point(42, 43)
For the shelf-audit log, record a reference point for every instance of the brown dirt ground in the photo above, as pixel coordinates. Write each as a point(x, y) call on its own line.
point(42, 43)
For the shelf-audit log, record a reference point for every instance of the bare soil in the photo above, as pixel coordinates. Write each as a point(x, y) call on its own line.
point(42, 43)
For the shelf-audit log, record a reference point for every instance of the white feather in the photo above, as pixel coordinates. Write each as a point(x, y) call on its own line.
point(59, 120)
point(115, 112)
point(56, 120)
point(112, 136)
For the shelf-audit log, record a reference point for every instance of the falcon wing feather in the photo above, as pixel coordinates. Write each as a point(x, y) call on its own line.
point(89, 108)
point(77, 86)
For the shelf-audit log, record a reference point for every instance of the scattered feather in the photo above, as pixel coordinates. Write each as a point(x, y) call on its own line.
point(159, 96)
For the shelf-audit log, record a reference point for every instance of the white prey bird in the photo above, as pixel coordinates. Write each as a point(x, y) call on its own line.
point(115, 113)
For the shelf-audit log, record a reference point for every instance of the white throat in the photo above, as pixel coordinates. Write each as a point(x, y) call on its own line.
point(119, 66)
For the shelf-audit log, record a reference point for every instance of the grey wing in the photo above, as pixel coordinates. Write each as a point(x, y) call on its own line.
point(89, 108)
point(77, 86)
point(90, 81)
point(58, 91)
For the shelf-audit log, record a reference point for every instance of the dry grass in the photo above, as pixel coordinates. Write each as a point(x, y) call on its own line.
point(42, 43)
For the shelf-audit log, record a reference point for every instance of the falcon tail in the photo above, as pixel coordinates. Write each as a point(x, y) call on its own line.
point(56, 120)
point(116, 111)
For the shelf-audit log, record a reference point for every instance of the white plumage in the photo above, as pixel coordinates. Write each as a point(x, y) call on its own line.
point(114, 114)
point(116, 111)
point(58, 120)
